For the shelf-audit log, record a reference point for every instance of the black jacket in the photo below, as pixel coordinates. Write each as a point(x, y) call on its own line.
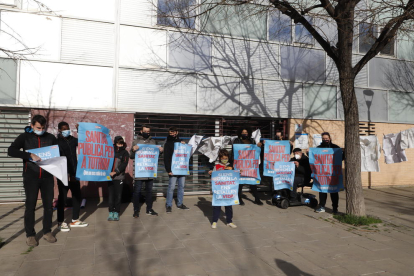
point(304, 169)
point(67, 147)
point(121, 159)
point(332, 146)
point(27, 141)
point(169, 150)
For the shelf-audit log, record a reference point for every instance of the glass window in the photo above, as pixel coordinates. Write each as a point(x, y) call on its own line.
point(177, 13)
point(8, 75)
point(401, 107)
point(405, 47)
point(302, 35)
point(366, 37)
point(320, 101)
point(389, 49)
point(280, 27)
point(247, 20)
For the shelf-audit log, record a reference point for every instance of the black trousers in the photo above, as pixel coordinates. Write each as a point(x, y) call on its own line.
point(114, 195)
point(148, 193)
point(31, 188)
point(299, 180)
point(253, 189)
point(217, 211)
point(74, 187)
point(334, 198)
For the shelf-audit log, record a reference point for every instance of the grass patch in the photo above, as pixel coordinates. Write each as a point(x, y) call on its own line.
point(30, 249)
point(357, 221)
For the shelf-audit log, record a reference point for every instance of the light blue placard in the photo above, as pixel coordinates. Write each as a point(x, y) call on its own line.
point(96, 153)
point(180, 164)
point(284, 175)
point(275, 151)
point(326, 165)
point(146, 161)
point(246, 159)
point(46, 152)
point(225, 186)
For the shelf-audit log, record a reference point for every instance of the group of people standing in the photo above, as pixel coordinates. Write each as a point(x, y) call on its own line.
point(35, 179)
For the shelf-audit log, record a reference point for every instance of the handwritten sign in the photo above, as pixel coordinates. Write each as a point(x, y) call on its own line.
point(326, 165)
point(246, 159)
point(46, 152)
point(146, 161)
point(181, 159)
point(225, 186)
point(275, 151)
point(284, 175)
point(96, 153)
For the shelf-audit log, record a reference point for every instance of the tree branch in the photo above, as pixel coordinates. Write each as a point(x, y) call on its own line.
point(327, 5)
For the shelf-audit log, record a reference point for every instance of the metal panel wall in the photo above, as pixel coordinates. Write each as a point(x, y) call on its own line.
point(138, 12)
point(87, 42)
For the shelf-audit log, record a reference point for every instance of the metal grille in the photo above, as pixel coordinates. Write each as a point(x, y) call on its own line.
point(198, 182)
point(12, 123)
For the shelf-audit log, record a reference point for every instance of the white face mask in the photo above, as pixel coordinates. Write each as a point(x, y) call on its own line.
point(297, 156)
point(65, 133)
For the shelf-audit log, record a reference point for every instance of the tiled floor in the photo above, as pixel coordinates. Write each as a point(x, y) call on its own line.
point(268, 241)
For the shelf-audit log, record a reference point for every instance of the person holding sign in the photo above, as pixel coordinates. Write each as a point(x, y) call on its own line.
point(243, 137)
point(169, 148)
point(302, 171)
point(221, 165)
point(34, 178)
point(143, 138)
point(118, 176)
point(323, 196)
point(67, 146)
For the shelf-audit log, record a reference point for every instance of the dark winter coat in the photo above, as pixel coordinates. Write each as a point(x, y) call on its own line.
point(67, 147)
point(169, 151)
point(141, 140)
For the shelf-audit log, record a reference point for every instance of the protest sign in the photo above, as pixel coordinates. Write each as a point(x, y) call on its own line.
point(225, 186)
point(317, 140)
point(57, 167)
point(275, 151)
point(326, 165)
point(96, 153)
point(146, 161)
point(45, 153)
point(284, 175)
point(181, 159)
point(246, 159)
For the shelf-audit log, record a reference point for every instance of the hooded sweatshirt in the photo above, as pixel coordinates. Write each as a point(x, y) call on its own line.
point(121, 161)
point(67, 147)
point(169, 150)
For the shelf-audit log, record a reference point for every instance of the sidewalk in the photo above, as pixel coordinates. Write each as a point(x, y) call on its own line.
point(268, 241)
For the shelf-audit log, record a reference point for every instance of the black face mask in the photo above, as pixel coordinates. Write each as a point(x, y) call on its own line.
point(145, 135)
point(326, 143)
point(278, 137)
point(244, 136)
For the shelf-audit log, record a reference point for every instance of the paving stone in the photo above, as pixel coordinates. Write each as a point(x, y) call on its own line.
point(79, 257)
point(45, 253)
point(175, 256)
point(150, 267)
point(109, 247)
point(186, 269)
point(43, 267)
point(213, 262)
point(141, 251)
point(199, 246)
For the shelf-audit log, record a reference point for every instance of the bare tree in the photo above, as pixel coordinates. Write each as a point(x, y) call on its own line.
point(378, 20)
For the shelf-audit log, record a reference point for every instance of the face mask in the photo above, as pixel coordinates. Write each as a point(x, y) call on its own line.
point(224, 161)
point(65, 133)
point(325, 142)
point(145, 135)
point(297, 156)
point(39, 132)
point(278, 137)
point(244, 136)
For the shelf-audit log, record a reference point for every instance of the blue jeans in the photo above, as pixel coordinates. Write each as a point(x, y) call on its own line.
point(180, 191)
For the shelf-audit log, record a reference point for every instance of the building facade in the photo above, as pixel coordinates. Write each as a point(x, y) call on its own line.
point(123, 63)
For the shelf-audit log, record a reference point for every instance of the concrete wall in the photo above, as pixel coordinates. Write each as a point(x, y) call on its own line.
point(389, 175)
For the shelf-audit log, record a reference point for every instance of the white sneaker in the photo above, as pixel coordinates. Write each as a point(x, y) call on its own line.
point(78, 223)
point(232, 225)
point(214, 225)
point(320, 210)
point(63, 227)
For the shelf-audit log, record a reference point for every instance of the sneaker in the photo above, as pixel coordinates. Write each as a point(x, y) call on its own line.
point(31, 241)
point(335, 211)
point(49, 238)
point(320, 210)
point(111, 216)
point(232, 225)
point(78, 223)
point(214, 225)
point(63, 227)
point(116, 216)
point(136, 214)
point(241, 202)
point(183, 207)
point(258, 202)
point(152, 213)
point(168, 209)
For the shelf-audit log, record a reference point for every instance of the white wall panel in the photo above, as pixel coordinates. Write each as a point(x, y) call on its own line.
point(40, 34)
point(51, 85)
point(90, 9)
point(142, 47)
point(87, 42)
point(362, 78)
point(218, 95)
point(138, 12)
point(152, 91)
